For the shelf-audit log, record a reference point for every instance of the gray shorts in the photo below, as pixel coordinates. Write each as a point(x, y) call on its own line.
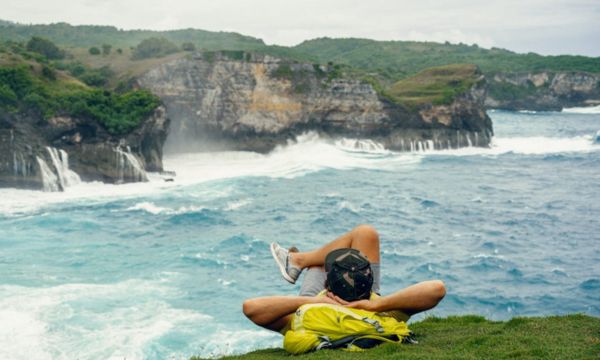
point(314, 280)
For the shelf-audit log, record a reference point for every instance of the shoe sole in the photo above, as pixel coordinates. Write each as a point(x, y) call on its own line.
point(281, 266)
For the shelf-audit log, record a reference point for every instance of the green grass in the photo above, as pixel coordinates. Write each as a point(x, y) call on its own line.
point(473, 337)
point(438, 85)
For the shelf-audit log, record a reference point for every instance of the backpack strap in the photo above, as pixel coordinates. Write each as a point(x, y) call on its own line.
point(375, 323)
point(360, 341)
point(369, 321)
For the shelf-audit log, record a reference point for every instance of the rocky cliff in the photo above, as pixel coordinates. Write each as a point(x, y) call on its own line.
point(55, 153)
point(254, 102)
point(543, 91)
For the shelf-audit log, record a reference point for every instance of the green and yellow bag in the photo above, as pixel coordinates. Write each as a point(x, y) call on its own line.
point(328, 326)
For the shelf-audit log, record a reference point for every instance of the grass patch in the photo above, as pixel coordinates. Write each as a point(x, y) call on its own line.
point(438, 85)
point(122, 65)
point(473, 337)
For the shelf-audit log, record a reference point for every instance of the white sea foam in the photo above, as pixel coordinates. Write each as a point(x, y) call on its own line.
point(535, 145)
point(65, 321)
point(234, 205)
point(346, 205)
point(583, 110)
point(151, 208)
point(15, 201)
point(227, 342)
point(527, 111)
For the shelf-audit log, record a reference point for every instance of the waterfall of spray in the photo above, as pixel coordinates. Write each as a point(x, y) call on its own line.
point(128, 166)
point(430, 145)
point(21, 167)
point(56, 177)
point(470, 144)
point(49, 179)
point(60, 160)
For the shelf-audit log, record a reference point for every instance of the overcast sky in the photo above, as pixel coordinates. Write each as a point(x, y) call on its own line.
point(542, 26)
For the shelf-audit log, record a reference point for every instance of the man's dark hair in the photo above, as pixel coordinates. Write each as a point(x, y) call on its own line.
point(349, 274)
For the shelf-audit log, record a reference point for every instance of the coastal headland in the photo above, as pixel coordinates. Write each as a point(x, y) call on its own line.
point(99, 105)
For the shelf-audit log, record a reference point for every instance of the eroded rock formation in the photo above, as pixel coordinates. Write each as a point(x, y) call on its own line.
point(257, 102)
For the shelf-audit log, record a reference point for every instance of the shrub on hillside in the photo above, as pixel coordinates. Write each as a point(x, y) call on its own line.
point(96, 77)
point(48, 72)
point(106, 49)
point(119, 114)
point(8, 98)
point(154, 47)
point(94, 51)
point(22, 90)
point(188, 46)
point(45, 47)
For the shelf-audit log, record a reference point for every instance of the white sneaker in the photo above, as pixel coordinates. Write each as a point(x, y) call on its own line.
point(282, 258)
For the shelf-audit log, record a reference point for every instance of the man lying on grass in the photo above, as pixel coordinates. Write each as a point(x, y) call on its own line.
point(344, 272)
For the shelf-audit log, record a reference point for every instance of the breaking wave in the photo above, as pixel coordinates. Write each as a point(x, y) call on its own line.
point(583, 110)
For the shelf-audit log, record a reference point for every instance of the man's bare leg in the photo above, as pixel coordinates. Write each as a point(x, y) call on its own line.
point(364, 238)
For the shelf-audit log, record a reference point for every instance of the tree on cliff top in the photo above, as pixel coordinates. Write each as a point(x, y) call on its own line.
point(154, 47)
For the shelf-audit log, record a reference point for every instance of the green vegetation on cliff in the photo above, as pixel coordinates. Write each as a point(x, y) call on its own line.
point(30, 84)
point(473, 337)
point(437, 85)
point(154, 47)
point(506, 91)
point(398, 59)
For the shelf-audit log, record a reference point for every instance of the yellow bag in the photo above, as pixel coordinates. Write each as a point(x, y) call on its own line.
point(328, 326)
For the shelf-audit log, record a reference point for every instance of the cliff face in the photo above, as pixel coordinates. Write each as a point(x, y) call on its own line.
point(543, 91)
point(257, 102)
point(53, 154)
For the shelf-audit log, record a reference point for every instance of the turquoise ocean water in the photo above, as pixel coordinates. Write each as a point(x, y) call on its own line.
point(159, 270)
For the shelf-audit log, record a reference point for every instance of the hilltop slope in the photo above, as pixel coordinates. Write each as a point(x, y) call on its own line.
point(473, 337)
